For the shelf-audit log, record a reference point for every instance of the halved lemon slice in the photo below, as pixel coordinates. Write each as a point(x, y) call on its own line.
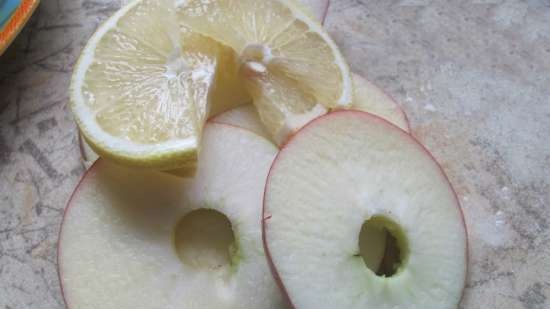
point(288, 63)
point(140, 90)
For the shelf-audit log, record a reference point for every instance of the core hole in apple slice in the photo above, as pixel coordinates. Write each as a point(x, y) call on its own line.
point(383, 246)
point(204, 239)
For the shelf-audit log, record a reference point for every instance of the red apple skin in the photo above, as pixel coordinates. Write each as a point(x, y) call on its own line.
point(354, 113)
point(325, 12)
point(89, 171)
point(272, 267)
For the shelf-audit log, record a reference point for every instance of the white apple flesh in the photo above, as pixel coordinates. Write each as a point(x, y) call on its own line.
point(244, 116)
point(345, 171)
point(142, 239)
point(371, 99)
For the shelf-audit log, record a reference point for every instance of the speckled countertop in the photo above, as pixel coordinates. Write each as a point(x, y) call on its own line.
point(473, 76)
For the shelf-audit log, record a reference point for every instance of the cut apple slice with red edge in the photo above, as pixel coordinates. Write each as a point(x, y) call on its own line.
point(144, 239)
point(341, 175)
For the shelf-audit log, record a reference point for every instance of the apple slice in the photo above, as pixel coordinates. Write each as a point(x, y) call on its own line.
point(341, 175)
point(143, 239)
point(369, 98)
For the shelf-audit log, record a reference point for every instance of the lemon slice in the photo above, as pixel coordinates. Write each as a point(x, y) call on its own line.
point(140, 90)
point(287, 62)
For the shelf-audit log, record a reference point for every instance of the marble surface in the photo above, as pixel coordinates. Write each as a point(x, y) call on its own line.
point(473, 76)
